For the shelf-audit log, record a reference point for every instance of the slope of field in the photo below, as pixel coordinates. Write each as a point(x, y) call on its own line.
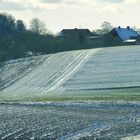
point(76, 73)
point(13, 70)
point(53, 71)
point(110, 70)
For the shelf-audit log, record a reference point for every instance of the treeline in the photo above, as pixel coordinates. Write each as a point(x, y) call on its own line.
point(8, 25)
point(17, 41)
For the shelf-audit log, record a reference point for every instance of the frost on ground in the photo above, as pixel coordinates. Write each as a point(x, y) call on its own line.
point(49, 76)
point(13, 70)
point(110, 70)
point(106, 70)
point(70, 121)
point(131, 138)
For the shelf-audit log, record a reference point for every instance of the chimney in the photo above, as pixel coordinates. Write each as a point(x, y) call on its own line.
point(128, 27)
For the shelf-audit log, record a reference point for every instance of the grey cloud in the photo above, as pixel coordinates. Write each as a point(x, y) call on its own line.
point(65, 2)
point(51, 1)
point(70, 2)
point(11, 6)
point(111, 1)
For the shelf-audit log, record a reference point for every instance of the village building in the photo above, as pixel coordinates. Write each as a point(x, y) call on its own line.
point(74, 32)
point(125, 34)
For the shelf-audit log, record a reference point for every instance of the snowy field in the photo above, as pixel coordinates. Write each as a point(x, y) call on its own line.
point(111, 69)
point(13, 70)
point(84, 72)
point(69, 121)
point(48, 76)
point(72, 76)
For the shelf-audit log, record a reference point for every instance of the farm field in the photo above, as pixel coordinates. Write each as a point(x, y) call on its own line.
point(104, 73)
point(69, 121)
point(76, 95)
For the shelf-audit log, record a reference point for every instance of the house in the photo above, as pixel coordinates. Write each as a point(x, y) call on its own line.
point(125, 34)
point(74, 32)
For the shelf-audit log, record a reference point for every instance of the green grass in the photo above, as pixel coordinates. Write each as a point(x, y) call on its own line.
point(85, 97)
point(95, 97)
point(129, 95)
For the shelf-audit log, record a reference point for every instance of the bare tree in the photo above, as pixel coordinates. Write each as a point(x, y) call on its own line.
point(38, 26)
point(106, 27)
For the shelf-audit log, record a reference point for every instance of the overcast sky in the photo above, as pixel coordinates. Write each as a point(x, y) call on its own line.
point(59, 14)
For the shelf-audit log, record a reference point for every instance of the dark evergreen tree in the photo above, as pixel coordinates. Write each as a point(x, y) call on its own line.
point(7, 24)
point(20, 26)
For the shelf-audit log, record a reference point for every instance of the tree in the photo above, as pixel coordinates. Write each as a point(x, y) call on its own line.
point(106, 27)
point(37, 26)
point(20, 26)
point(7, 24)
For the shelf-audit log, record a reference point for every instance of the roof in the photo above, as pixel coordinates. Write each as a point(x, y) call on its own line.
point(126, 33)
point(69, 32)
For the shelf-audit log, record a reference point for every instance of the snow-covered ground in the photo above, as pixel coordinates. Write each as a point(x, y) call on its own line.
point(131, 138)
point(106, 70)
point(13, 70)
point(70, 121)
point(85, 71)
point(110, 69)
point(49, 75)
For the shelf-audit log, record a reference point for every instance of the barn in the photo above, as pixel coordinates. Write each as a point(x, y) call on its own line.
point(74, 32)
